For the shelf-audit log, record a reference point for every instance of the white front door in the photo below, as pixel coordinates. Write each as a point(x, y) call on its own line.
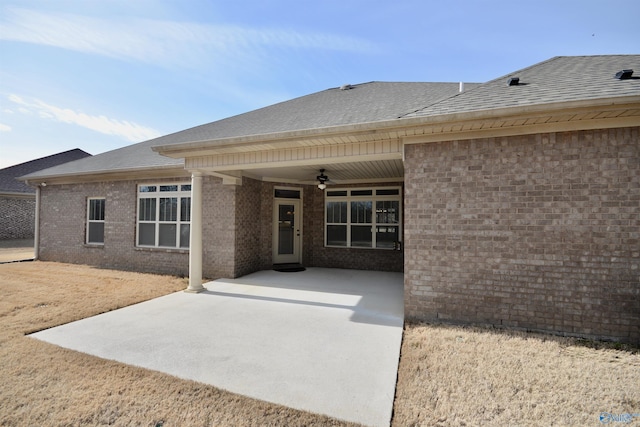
point(287, 231)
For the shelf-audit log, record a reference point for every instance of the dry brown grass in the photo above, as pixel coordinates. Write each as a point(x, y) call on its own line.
point(45, 385)
point(455, 376)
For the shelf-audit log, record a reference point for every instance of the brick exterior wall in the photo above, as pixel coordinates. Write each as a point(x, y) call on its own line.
point(17, 217)
point(315, 254)
point(248, 227)
point(536, 232)
point(63, 224)
point(237, 231)
point(355, 258)
point(63, 227)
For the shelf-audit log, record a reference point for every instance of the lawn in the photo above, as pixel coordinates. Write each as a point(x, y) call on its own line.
point(448, 375)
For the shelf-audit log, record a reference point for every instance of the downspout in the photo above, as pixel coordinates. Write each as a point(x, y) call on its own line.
point(36, 230)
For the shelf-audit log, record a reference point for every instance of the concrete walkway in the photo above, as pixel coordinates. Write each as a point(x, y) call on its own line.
point(321, 340)
point(16, 250)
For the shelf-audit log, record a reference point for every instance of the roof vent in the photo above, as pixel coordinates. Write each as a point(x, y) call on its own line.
point(346, 87)
point(513, 81)
point(624, 74)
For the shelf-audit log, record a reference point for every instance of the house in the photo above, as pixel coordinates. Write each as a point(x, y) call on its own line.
point(18, 200)
point(513, 203)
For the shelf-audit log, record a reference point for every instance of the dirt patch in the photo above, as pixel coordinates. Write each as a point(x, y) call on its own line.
point(48, 385)
point(454, 376)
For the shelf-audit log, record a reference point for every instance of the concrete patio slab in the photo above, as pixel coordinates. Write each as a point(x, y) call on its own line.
point(321, 340)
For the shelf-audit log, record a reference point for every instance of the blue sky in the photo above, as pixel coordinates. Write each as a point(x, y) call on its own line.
point(102, 74)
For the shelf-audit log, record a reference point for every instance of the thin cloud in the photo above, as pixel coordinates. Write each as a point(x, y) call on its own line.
point(5, 128)
point(128, 130)
point(162, 41)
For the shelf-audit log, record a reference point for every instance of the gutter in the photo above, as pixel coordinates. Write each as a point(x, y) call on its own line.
point(36, 230)
point(102, 175)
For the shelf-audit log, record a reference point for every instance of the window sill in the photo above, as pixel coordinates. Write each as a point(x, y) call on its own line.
point(362, 247)
point(165, 250)
point(94, 245)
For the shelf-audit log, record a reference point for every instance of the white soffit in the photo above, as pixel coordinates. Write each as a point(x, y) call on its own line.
point(339, 173)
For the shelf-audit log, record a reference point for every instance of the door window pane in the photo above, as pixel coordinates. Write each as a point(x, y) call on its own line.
point(286, 224)
point(285, 239)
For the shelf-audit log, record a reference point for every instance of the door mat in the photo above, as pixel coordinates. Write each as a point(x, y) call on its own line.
point(288, 268)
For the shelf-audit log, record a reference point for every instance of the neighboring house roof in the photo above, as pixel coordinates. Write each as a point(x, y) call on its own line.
point(362, 103)
point(375, 104)
point(9, 175)
point(559, 79)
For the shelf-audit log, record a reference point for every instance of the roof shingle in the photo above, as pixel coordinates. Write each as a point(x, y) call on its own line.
point(9, 183)
point(559, 79)
point(368, 102)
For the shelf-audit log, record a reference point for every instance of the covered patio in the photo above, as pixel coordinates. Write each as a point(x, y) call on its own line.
point(322, 340)
point(258, 167)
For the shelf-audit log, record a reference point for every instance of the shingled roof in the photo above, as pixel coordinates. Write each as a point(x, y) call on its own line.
point(9, 183)
point(557, 80)
point(350, 104)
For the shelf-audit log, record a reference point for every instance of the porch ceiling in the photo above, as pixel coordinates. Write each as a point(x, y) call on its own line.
point(338, 173)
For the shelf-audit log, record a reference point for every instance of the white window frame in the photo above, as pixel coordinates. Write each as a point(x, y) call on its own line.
point(348, 198)
point(157, 194)
point(94, 221)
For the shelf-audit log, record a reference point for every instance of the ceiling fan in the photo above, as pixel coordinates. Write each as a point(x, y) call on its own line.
point(322, 180)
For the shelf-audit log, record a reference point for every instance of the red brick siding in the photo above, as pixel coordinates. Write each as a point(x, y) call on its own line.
point(537, 232)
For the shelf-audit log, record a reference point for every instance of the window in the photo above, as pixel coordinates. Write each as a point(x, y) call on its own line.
point(363, 218)
point(95, 221)
point(164, 215)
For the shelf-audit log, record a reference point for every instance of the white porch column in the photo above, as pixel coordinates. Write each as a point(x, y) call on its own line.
point(195, 236)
